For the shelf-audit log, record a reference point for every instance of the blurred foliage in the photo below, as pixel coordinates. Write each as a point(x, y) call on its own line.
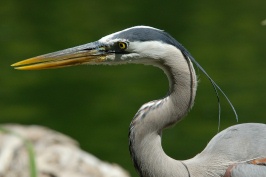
point(94, 104)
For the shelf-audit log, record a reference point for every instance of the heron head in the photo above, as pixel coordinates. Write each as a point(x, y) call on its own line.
point(140, 44)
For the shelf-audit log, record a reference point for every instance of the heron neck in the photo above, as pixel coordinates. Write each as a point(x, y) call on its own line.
point(147, 126)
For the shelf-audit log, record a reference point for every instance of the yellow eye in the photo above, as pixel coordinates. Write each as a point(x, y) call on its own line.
point(122, 45)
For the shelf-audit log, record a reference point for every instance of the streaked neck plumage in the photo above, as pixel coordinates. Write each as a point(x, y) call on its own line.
point(146, 128)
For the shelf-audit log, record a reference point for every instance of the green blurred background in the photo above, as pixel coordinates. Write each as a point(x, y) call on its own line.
point(95, 104)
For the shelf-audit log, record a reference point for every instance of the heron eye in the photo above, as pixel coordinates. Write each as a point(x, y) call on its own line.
point(122, 45)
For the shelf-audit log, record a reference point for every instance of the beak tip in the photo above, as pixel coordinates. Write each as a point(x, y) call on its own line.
point(22, 64)
point(13, 65)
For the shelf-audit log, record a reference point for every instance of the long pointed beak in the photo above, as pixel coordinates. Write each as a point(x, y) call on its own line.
point(91, 53)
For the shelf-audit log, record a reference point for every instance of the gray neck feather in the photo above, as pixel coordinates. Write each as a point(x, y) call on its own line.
point(146, 128)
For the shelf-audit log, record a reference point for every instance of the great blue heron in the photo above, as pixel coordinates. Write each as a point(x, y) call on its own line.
point(237, 151)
